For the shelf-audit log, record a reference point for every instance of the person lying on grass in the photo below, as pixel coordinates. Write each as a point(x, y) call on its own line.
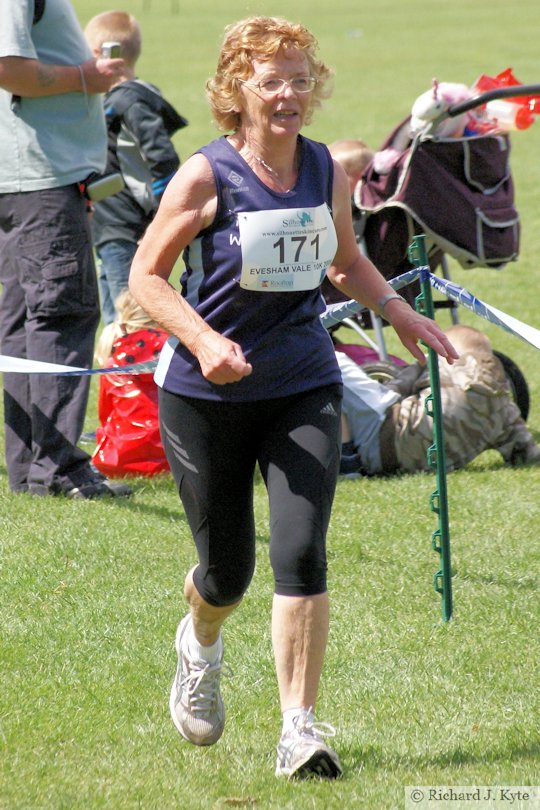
point(385, 427)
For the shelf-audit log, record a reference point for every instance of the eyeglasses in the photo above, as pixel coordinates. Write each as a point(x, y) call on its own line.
point(271, 87)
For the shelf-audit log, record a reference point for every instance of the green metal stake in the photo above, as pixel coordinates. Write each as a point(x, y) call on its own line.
point(436, 455)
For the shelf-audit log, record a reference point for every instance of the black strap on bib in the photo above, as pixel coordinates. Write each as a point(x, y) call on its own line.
point(39, 8)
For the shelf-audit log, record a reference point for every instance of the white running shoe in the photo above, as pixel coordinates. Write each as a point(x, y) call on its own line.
point(302, 752)
point(196, 706)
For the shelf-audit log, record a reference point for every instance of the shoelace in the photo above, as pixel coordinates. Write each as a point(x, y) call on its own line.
point(315, 728)
point(202, 685)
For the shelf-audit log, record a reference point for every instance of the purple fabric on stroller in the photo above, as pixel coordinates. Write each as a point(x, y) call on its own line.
point(457, 191)
point(365, 354)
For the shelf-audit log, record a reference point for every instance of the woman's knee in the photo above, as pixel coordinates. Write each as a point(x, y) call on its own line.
point(223, 585)
point(299, 562)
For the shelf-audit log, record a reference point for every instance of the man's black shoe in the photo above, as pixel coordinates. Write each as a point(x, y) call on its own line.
point(85, 486)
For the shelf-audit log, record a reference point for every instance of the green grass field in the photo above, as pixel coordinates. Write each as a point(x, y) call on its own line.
point(91, 592)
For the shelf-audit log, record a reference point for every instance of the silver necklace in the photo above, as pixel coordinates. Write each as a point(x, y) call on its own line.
point(268, 168)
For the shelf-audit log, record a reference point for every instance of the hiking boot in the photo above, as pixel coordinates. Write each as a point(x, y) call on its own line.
point(351, 466)
point(196, 706)
point(528, 453)
point(302, 753)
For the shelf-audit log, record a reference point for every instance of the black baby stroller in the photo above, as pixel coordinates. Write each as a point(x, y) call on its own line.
point(458, 192)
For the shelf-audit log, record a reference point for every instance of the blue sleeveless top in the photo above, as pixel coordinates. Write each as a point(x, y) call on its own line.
point(279, 332)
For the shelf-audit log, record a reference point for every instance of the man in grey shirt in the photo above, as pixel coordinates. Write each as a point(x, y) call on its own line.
point(52, 137)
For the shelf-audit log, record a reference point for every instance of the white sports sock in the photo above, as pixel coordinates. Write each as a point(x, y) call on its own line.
point(199, 652)
point(290, 715)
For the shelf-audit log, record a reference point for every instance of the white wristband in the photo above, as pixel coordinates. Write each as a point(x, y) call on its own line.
point(382, 302)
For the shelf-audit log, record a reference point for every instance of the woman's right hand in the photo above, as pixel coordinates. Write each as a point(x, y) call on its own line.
point(222, 361)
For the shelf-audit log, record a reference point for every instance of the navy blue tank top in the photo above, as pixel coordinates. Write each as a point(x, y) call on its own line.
point(280, 332)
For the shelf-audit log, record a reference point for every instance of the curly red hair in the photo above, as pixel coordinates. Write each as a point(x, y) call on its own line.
point(260, 38)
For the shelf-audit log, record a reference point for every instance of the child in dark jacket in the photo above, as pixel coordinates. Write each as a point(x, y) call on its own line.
point(140, 124)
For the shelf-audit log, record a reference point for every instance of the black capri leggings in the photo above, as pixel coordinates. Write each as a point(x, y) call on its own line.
point(213, 447)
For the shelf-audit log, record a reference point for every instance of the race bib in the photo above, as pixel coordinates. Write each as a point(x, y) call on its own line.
point(286, 250)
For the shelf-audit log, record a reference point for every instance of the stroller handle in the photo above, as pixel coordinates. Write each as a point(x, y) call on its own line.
point(492, 95)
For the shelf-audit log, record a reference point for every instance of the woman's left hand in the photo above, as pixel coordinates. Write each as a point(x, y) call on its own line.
point(412, 327)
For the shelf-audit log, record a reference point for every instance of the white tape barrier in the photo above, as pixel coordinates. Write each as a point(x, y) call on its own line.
point(13, 364)
point(491, 314)
point(35, 366)
point(334, 314)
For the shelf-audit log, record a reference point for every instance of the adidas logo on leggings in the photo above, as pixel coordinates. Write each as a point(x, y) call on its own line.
point(329, 410)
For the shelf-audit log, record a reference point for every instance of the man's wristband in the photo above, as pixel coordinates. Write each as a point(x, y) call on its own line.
point(382, 302)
